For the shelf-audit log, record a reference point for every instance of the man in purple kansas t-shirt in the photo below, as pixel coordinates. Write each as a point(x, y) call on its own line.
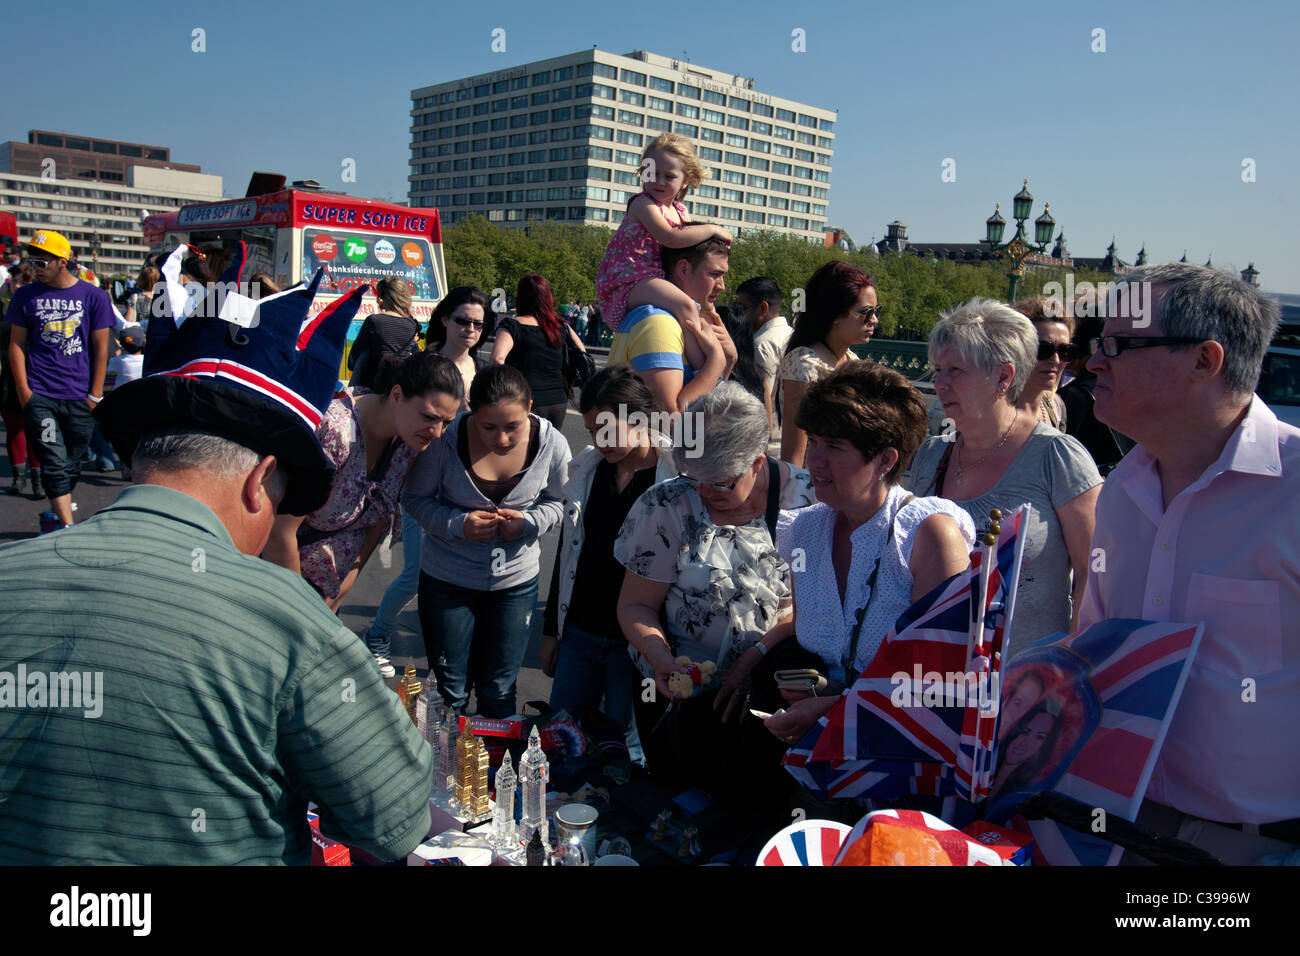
point(58, 353)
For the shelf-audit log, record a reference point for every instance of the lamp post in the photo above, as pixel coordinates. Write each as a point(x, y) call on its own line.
point(1019, 249)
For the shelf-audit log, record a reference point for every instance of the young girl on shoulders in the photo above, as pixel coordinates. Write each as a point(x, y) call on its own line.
point(631, 274)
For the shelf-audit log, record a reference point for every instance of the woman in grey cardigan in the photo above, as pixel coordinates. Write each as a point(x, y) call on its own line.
point(484, 494)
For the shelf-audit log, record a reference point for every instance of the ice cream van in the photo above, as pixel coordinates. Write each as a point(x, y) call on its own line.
point(291, 232)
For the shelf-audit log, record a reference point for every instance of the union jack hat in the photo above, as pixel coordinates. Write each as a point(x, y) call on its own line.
point(259, 372)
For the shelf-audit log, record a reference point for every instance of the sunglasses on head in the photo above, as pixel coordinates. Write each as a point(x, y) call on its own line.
point(1046, 350)
point(467, 323)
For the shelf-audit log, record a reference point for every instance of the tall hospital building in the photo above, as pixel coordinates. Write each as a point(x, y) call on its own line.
point(561, 139)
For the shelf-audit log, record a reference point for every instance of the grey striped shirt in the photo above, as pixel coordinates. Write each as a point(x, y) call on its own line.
point(231, 696)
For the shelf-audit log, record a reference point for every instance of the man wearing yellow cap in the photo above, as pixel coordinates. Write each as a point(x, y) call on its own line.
point(58, 354)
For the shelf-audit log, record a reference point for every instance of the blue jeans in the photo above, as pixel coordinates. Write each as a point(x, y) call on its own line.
point(101, 449)
point(588, 668)
point(400, 592)
point(477, 639)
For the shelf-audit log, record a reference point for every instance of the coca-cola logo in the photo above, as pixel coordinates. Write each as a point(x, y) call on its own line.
point(324, 248)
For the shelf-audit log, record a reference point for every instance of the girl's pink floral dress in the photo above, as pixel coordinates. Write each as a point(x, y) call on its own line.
point(632, 255)
point(326, 562)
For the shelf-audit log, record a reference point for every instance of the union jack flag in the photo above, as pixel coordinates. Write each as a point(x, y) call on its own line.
point(911, 723)
point(1090, 725)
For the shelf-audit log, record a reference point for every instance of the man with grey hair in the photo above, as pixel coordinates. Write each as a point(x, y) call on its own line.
point(1197, 523)
point(230, 695)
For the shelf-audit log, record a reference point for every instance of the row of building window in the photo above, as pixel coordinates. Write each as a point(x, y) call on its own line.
point(602, 92)
point(605, 71)
point(613, 216)
point(630, 138)
point(59, 189)
point(632, 159)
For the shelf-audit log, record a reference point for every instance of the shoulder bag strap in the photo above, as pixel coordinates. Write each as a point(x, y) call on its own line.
point(941, 471)
point(773, 497)
point(847, 662)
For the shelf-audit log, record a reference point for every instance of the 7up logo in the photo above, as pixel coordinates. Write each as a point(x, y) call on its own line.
point(355, 250)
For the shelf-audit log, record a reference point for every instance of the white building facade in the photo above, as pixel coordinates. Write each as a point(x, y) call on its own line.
point(561, 140)
point(103, 220)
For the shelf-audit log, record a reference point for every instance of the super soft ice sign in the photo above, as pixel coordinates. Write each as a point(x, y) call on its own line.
point(315, 212)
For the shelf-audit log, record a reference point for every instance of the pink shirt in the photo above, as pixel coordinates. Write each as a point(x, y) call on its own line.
point(1226, 552)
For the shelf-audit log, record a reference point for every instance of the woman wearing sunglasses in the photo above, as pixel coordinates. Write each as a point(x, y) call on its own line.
point(1001, 456)
point(705, 580)
point(456, 331)
point(1054, 353)
point(841, 311)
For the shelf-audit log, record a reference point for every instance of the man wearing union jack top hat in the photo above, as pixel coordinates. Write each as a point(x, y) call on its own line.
point(204, 695)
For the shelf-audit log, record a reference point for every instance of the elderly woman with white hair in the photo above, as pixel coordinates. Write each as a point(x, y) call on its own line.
point(704, 577)
point(1001, 457)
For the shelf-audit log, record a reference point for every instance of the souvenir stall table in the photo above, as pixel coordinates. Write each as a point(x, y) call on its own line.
point(1080, 719)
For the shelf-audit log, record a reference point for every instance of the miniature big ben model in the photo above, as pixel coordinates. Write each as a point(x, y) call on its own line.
point(408, 691)
point(447, 734)
point(471, 792)
point(534, 771)
point(503, 813)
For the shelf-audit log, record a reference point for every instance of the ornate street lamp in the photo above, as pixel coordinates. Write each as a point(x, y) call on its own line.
point(1019, 248)
point(1250, 274)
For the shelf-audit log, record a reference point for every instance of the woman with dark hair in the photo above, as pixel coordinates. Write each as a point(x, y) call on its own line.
point(456, 330)
point(1039, 397)
point(484, 495)
point(371, 439)
point(746, 372)
point(391, 330)
point(583, 647)
point(1026, 750)
point(840, 311)
point(453, 332)
point(869, 549)
point(533, 343)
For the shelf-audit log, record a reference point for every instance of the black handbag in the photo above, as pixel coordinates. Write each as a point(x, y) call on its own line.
point(578, 366)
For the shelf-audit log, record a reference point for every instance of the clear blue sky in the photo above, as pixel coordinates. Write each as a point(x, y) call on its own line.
point(1144, 141)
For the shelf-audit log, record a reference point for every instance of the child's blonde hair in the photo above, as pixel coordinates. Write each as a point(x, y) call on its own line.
point(680, 148)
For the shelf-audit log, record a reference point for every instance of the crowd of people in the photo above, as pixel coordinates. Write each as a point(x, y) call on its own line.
point(711, 554)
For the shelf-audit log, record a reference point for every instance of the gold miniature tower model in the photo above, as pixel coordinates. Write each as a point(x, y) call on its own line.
point(471, 791)
point(408, 691)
